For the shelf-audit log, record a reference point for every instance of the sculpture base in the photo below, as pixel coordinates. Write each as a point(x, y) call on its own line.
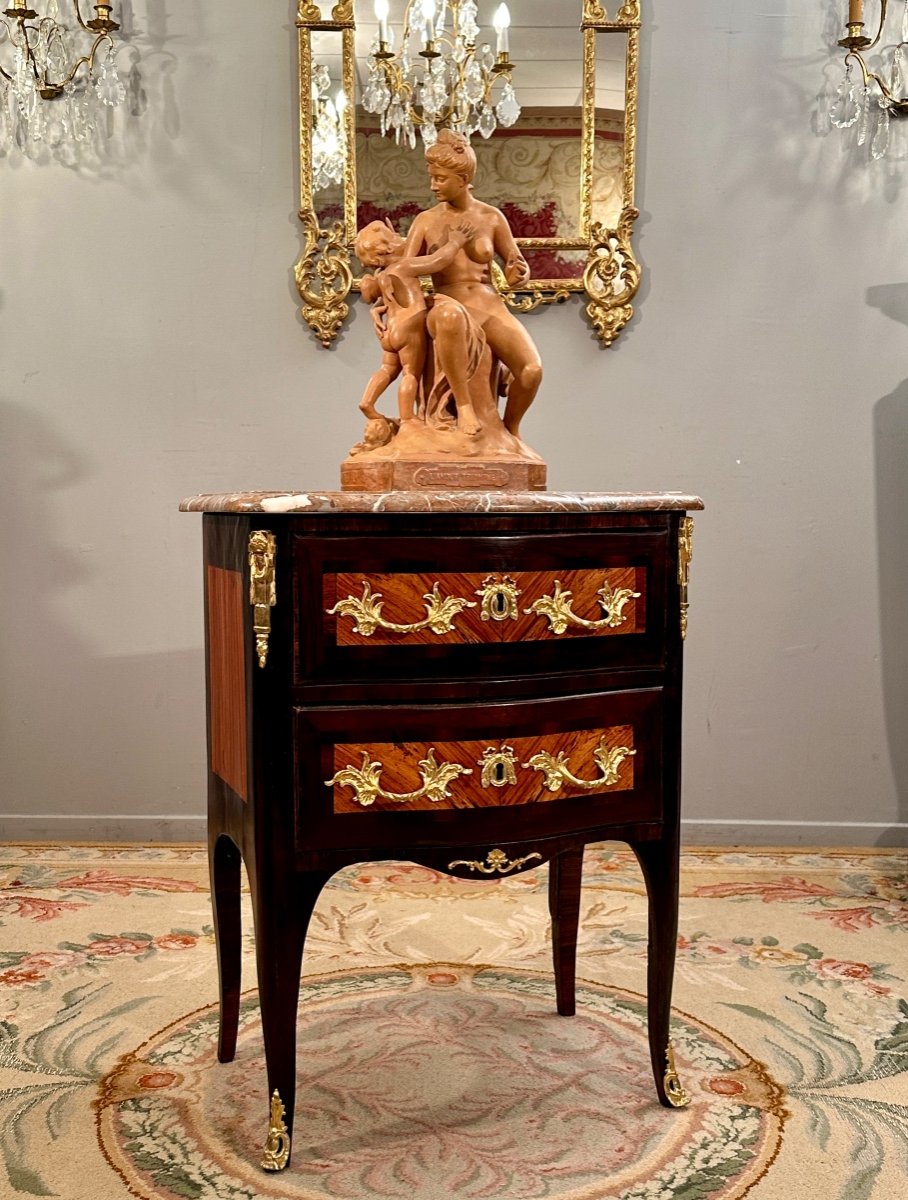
point(359, 474)
point(437, 455)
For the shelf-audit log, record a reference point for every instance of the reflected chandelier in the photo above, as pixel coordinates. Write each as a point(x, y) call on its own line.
point(44, 67)
point(868, 102)
point(327, 131)
point(452, 86)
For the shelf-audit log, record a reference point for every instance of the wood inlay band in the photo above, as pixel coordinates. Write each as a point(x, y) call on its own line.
point(227, 679)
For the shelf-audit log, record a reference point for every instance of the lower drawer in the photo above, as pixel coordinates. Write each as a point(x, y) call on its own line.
point(446, 774)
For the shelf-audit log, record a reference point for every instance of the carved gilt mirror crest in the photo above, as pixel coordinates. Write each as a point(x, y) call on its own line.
point(553, 121)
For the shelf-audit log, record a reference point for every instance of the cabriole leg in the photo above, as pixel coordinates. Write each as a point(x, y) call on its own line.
point(659, 863)
point(281, 921)
point(224, 866)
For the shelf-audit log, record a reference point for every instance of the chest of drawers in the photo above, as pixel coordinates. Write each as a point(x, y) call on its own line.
point(478, 684)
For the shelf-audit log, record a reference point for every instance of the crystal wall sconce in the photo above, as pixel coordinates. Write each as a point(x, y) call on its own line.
point(57, 79)
point(867, 102)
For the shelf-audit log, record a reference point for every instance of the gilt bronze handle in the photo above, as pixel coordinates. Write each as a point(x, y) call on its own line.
point(366, 781)
point(557, 772)
point(558, 608)
point(365, 611)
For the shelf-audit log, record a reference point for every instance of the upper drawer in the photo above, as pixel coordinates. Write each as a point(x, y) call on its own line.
point(456, 607)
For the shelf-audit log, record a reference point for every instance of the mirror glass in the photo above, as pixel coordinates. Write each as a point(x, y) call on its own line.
point(611, 100)
point(562, 172)
point(531, 171)
point(328, 103)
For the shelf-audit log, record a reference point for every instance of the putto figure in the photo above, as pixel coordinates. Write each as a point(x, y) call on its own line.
point(456, 350)
point(399, 313)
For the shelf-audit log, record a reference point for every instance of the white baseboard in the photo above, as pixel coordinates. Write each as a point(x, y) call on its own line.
point(174, 828)
point(794, 833)
point(20, 827)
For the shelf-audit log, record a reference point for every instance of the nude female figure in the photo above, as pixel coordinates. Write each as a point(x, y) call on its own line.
point(399, 313)
point(467, 277)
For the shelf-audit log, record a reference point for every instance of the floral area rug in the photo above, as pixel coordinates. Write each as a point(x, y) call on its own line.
point(431, 1063)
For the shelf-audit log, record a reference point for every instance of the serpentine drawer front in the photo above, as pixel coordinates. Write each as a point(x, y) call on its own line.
point(389, 773)
point(470, 607)
point(457, 609)
point(481, 774)
point(480, 684)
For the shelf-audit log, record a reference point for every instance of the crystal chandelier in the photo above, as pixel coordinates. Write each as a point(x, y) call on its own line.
point(868, 101)
point(438, 77)
point(49, 91)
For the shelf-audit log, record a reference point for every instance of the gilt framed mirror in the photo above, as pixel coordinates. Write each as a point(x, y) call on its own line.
point(547, 93)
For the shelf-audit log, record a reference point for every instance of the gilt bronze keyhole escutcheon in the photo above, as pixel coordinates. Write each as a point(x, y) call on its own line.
point(499, 595)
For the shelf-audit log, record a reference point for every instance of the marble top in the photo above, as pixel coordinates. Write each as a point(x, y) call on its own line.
point(454, 501)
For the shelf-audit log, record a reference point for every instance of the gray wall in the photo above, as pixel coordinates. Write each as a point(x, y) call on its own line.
point(151, 349)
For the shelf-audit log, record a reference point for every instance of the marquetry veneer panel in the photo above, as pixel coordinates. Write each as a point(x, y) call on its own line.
point(463, 774)
point(365, 604)
point(227, 678)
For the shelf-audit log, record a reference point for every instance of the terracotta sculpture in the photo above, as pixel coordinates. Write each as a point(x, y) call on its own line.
point(399, 312)
point(456, 350)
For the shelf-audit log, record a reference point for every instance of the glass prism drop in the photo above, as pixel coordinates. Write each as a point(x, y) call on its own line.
point(880, 143)
point(36, 125)
point(382, 94)
point(20, 130)
point(487, 122)
point(508, 108)
point(109, 86)
point(896, 81)
point(863, 116)
point(474, 85)
point(844, 110)
point(56, 58)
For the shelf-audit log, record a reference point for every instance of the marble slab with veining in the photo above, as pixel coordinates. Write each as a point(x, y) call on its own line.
point(453, 501)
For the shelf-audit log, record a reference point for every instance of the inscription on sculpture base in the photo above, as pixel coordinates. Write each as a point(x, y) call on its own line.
point(392, 475)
